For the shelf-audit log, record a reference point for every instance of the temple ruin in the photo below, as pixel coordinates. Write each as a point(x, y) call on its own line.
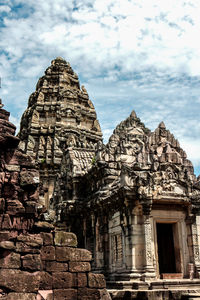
point(133, 203)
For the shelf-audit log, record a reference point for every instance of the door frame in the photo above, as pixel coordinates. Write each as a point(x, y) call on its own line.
point(178, 242)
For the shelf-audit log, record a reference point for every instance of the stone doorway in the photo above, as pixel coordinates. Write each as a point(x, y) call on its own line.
point(168, 250)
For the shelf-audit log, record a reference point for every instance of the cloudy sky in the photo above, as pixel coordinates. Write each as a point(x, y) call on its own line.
point(129, 54)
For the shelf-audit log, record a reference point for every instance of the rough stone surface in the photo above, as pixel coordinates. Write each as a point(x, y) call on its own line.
point(31, 262)
point(63, 280)
point(28, 244)
point(96, 281)
point(79, 267)
point(62, 294)
point(19, 281)
point(21, 296)
point(10, 260)
point(70, 254)
point(65, 239)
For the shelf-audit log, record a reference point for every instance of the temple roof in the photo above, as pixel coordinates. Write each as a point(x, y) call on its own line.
point(141, 164)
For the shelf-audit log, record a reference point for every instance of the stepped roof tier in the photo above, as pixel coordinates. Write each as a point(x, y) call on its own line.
point(59, 116)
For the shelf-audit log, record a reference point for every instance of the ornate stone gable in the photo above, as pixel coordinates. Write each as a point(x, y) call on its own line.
point(127, 144)
point(59, 115)
point(141, 165)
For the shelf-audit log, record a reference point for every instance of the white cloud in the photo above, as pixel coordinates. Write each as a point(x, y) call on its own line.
point(132, 54)
point(5, 8)
point(192, 148)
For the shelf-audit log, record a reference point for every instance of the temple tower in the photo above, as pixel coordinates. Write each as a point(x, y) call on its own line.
point(59, 116)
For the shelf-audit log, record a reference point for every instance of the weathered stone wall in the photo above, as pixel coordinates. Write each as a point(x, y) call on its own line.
point(19, 182)
point(36, 261)
point(47, 266)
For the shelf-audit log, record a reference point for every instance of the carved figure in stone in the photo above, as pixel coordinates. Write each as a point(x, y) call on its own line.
point(127, 178)
point(22, 146)
point(131, 152)
point(49, 143)
point(66, 78)
point(133, 130)
point(109, 152)
point(35, 117)
point(45, 83)
point(83, 89)
point(31, 143)
point(96, 126)
point(67, 93)
point(76, 167)
point(69, 113)
point(90, 104)
point(40, 97)
point(42, 144)
point(113, 142)
point(83, 141)
point(71, 141)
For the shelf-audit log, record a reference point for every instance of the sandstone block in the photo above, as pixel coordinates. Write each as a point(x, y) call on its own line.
point(21, 296)
point(30, 207)
point(93, 294)
point(65, 239)
point(29, 177)
point(19, 159)
point(88, 294)
point(46, 281)
point(24, 248)
point(6, 222)
point(15, 207)
point(72, 254)
point(10, 260)
point(44, 226)
point(104, 295)
point(96, 280)
point(32, 262)
point(5, 236)
point(54, 266)
point(48, 253)
point(79, 267)
point(81, 280)
point(62, 294)
point(63, 280)
point(19, 281)
point(47, 238)
point(33, 240)
point(12, 168)
point(7, 245)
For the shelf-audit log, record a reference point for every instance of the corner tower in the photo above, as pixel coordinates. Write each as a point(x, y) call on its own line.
point(59, 116)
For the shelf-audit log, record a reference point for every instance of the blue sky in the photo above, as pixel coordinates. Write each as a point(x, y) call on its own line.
point(129, 54)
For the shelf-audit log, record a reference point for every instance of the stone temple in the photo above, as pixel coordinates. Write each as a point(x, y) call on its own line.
point(134, 203)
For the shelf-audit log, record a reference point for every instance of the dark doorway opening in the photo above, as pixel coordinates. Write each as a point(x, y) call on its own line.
point(166, 250)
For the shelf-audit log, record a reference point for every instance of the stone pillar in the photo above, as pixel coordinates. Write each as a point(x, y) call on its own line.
point(149, 269)
point(195, 247)
point(134, 245)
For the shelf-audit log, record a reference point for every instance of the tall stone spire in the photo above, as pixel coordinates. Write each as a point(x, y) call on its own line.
point(59, 116)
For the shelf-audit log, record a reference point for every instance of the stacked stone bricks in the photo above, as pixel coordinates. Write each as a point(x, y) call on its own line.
point(36, 261)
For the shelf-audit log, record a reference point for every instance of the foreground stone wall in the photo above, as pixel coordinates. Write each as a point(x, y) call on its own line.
point(47, 266)
point(36, 261)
